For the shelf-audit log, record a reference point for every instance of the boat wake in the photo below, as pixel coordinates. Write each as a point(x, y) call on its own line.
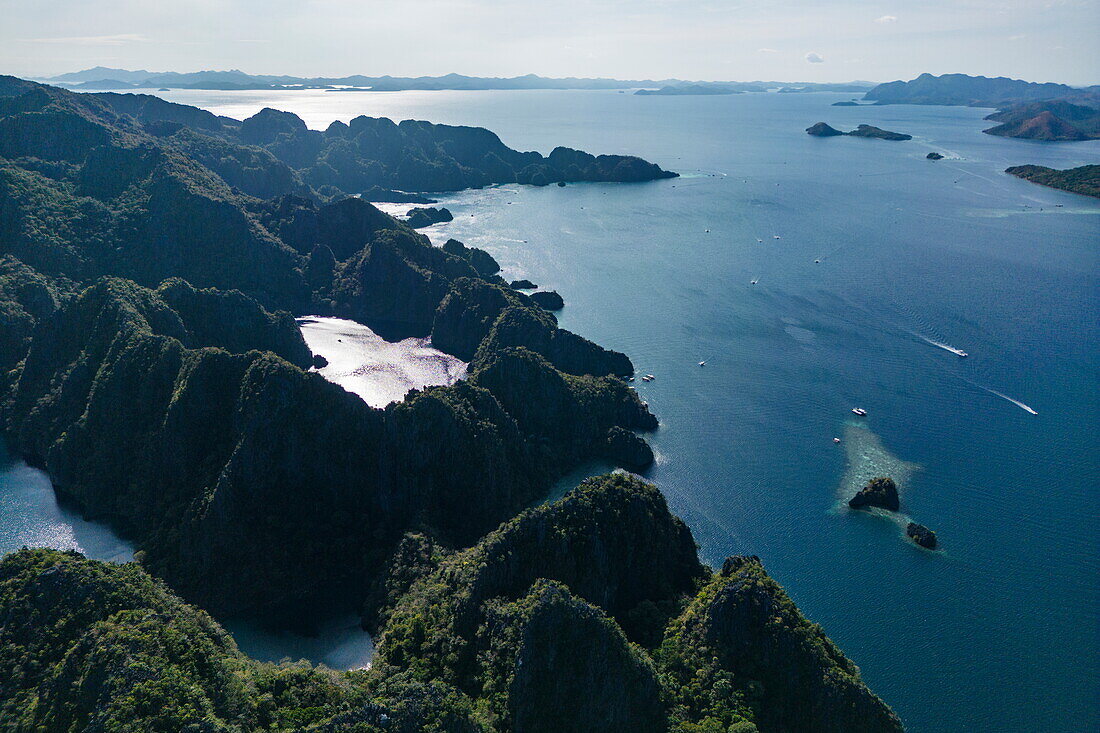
point(1019, 404)
point(940, 345)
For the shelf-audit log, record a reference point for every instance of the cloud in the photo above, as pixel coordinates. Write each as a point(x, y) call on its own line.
point(766, 50)
point(1018, 37)
point(120, 39)
point(887, 19)
point(815, 58)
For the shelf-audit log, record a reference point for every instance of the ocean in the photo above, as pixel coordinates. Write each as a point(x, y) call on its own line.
point(871, 265)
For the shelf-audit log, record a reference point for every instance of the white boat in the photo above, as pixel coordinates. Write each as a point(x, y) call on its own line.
point(859, 411)
point(962, 354)
point(753, 282)
point(650, 377)
point(836, 440)
point(702, 363)
point(775, 236)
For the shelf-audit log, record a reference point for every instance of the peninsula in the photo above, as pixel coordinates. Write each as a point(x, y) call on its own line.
point(1084, 179)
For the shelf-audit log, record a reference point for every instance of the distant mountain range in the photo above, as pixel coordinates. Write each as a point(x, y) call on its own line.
point(104, 78)
point(1025, 109)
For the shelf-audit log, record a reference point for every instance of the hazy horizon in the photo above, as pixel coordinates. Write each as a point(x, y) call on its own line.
point(1036, 40)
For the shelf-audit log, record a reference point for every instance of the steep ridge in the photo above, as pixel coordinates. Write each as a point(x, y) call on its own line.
point(171, 414)
point(523, 632)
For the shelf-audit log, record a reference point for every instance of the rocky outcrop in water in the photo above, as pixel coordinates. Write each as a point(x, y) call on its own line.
point(878, 133)
point(934, 156)
point(879, 492)
point(920, 534)
point(420, 217)
point(548, 300)
point(522, 285)
point(821, 129)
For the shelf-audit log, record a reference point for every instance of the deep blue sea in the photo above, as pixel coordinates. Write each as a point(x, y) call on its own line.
point(883, 258)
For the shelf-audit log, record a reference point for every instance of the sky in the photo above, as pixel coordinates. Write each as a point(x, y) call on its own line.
point(790, 40)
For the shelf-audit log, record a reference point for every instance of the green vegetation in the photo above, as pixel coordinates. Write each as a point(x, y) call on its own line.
point(742, 652)
point(150, 257)
point(93, 646)
point(1084, 180)
point(553, 622)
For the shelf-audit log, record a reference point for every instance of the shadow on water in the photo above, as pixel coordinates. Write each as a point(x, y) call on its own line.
point(32, 516)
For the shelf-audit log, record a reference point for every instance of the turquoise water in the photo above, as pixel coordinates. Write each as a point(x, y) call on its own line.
point(999, 630)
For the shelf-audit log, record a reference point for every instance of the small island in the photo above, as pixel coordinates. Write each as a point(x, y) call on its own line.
point(879, 492)
point(1084, 179)
point(689, 89)
point(421, 217)
point(934, 156)
point(846, 104)
point(822, 129)
point(522, 285)
point(920, 534)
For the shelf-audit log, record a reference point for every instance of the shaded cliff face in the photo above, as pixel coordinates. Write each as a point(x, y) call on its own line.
point(741, 651)
point(561, 665)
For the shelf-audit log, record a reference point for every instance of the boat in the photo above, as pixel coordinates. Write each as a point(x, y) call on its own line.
point(962, 354)
point(702, 363)
point(836, 440)
point(817, 262)
point(753, 282)
point(650, 377)
point(859, 411)
point(775, 236)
